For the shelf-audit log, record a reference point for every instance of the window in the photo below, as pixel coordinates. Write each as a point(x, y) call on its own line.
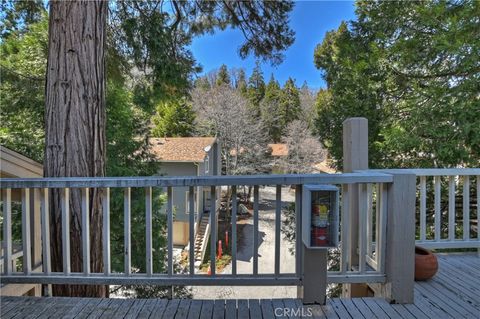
point(207, 164)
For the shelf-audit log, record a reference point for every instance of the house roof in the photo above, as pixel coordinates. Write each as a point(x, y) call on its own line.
point(180, 149)
point(14, 164)
point(279, 149)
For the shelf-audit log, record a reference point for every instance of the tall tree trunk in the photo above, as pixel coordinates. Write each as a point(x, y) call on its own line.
point(75, 126)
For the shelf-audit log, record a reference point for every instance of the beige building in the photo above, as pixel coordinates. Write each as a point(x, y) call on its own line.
point(13, 164)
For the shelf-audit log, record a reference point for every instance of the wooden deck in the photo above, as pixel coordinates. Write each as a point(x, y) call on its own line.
point(453, 293)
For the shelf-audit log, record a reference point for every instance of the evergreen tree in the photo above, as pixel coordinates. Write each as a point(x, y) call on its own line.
point(174, 118)
point(270, 110)
point(256, 89)
point(223, 77)
point(289, 103)
point(241, 83)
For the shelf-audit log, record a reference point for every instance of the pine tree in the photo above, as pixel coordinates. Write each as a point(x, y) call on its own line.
point(223, 77)
point(256, 89)
point(290, 103)
point(241, 84)
point(174, 118)
point(270, 110)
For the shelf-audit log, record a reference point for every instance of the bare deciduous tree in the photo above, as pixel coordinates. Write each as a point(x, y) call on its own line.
point(304, 150)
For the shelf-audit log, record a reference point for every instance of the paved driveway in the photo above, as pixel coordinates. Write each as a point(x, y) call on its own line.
point(266, 258)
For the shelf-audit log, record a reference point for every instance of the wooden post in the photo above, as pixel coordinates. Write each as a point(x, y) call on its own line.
point(314, 275)
point(355, 157)
point(400, 246)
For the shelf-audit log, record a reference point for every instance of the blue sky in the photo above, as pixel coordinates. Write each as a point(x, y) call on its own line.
point(309, 19)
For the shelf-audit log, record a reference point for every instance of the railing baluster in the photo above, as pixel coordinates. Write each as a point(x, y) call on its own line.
point(423, 208)
point(278, 219)
point(148, 230)
point(170, 231)
point(378, 228)
point(213, 229)
point(26, 242)
point(255, 229)
point(362, 226)
point(451, 208)
point(106, 230)
point(65, 204)
point(191, 227)
point(126, 232)
point(45, 220)
point(234, 230)
point(344, 233)
point(7, 230)
point(438, 213)
point(478, 210)
point(382, 234)
point(466, 207)
point(86, 230)
point(369, 219)
point(298, 230)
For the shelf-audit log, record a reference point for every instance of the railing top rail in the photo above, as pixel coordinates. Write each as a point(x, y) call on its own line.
point(432, 171)
point(176, 181)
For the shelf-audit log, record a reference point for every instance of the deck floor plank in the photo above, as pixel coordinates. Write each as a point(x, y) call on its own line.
point(242, 309)
point(170, 310)
point(207, 309)
point(453, 293)
point(194, 310)
point(183, 307)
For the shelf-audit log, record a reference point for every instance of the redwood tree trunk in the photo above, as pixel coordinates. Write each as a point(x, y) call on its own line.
point(75, 126)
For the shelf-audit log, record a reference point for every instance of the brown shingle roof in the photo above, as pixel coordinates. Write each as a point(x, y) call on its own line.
point(279, 149)
point(180, 149)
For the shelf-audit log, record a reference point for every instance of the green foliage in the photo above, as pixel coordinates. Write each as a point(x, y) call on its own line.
point(290, 103)
point(256, 89)
point(22, 65)
point(271, 112)
point(174, 118)
point(223, 77)
point(241, 83)
point(412, 69)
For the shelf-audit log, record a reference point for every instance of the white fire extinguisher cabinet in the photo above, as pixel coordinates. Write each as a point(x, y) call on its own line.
point(320, 216)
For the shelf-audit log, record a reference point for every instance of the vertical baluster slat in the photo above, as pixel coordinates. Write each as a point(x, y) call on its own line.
point(7, 230)
point(298, 230)
point(344, 233)
point(382, 234)
point(255, 229)
point(466, 207)
point(85, 230)
point(106, 230)
point(451, 208)
point(65, 204)
point(437, 207)
point(278, 219)
point(377, 222)
point(478, 210)
point(191, 227)
point(148, 231)
point(126, 231)
point(170, 230)
point(423, 208)
point(213, 229)
point(369, 219)
point(234, 230)
point(26, 240)
point(45, 220)
point(362, 226)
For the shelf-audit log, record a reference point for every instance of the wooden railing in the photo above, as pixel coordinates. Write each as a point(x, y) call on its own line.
point(373, 206)
point(442, 224)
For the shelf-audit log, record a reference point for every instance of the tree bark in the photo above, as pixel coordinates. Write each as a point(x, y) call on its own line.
point(75, 126)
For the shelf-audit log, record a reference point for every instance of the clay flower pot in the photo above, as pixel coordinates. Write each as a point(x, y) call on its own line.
point(426, 264)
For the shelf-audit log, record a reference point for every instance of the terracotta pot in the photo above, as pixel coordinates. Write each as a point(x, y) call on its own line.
point(426, 264)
